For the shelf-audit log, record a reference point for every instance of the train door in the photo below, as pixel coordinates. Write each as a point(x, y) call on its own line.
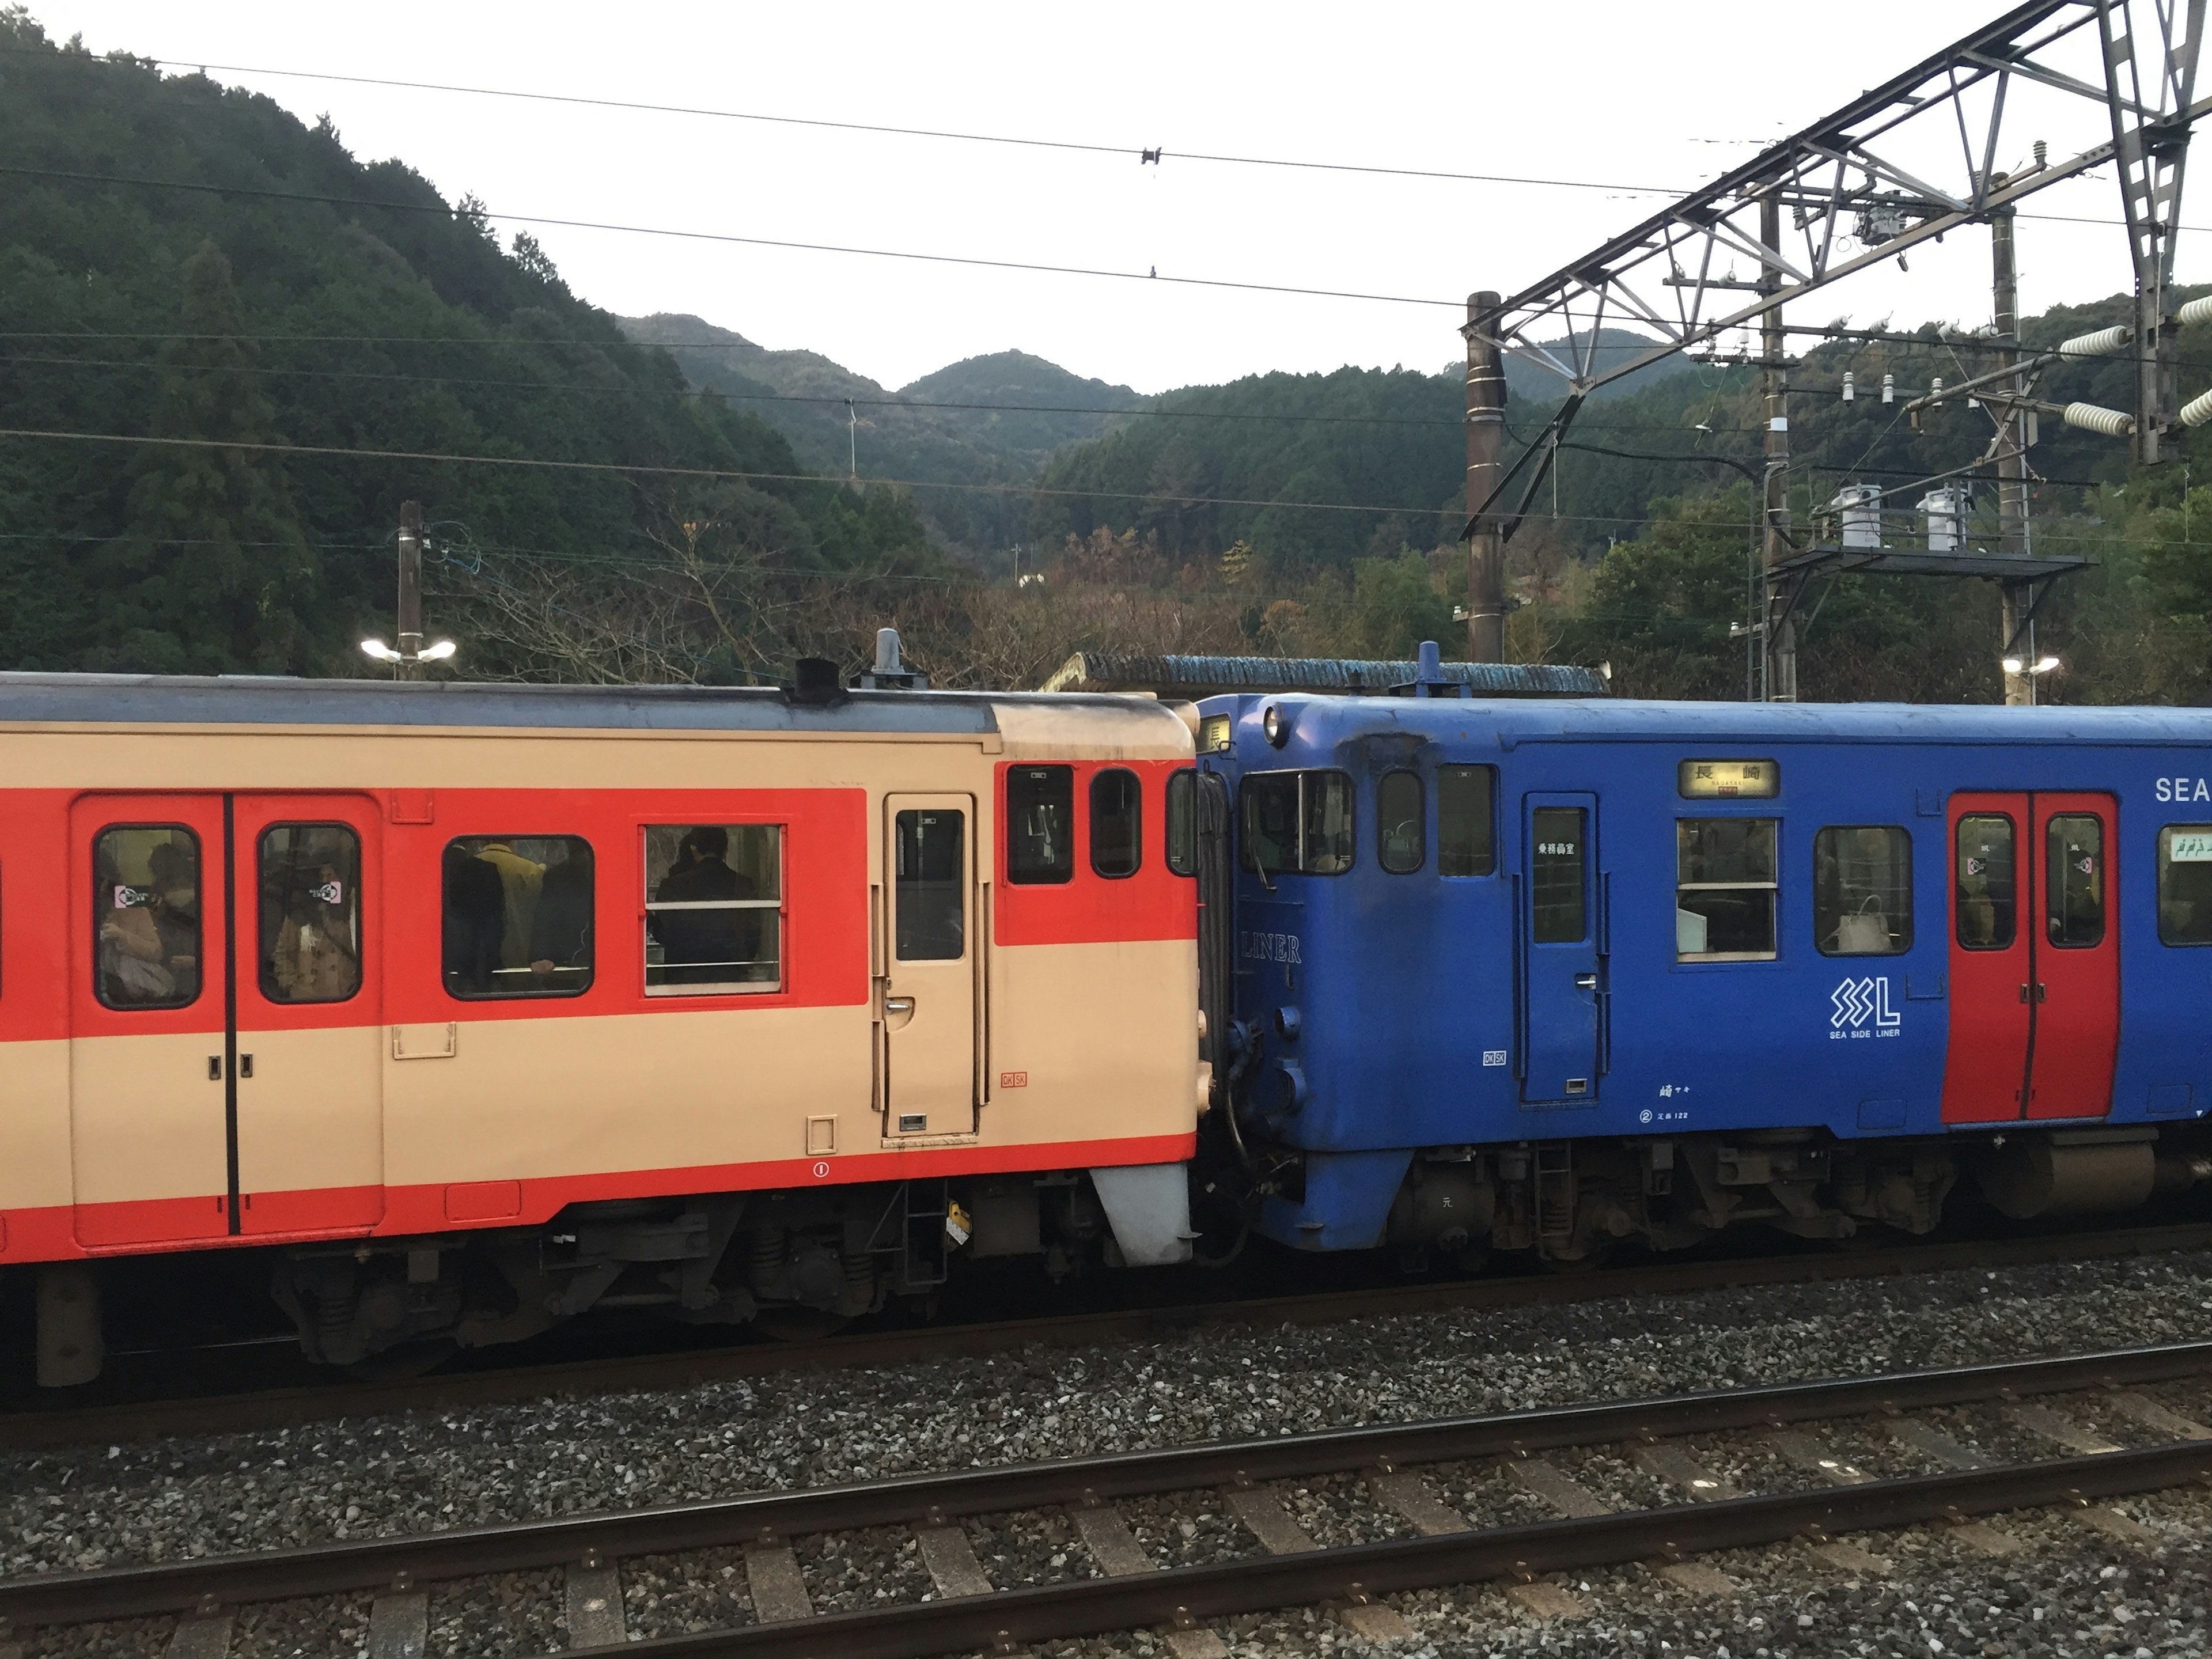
point(178, 1129)
point(149, 1083)
point(310, 1084)
point(929, 990)
point(1562, 967)
point(2035, 981)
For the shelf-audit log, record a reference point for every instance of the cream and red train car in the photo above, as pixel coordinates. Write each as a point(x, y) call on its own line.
point(471, 1007)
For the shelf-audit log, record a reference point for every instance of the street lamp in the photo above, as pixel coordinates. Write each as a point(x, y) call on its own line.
point(2021, 666)
point(378, 651)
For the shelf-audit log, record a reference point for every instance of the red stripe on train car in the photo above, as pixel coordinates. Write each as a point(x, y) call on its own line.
point(1089, 908)
point(49, 1233)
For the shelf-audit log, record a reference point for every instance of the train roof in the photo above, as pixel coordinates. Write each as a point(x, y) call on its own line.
point(255, 700)
point(1324, 719)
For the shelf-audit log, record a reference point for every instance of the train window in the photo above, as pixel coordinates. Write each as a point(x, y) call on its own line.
point(146, 916)
point(1863, 890)
point(1297, 821)
point(929, 905)
point(1400, 823)
point(1724, 890)
point(1117, 816)
point(1467, 842)
point(1987, 899)
point(2185, 884)
point(1557, 887)
point(310, 912)
point(2074, 880)
point(1723, 780)
point(1040, 824)
point(518, 915)
point(714, 909)
point(1182, 822)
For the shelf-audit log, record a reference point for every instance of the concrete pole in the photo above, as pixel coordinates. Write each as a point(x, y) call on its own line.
point(2019, 634)
point(410, 592)
point(1485, 465)
point(1781, 614)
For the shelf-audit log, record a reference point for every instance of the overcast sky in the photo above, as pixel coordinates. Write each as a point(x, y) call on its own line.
point(1601, 91)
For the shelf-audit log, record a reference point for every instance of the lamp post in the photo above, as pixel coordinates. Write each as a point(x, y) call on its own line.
point(407, 659)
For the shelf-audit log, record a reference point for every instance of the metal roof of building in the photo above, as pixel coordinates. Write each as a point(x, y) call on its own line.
point(1207, 676)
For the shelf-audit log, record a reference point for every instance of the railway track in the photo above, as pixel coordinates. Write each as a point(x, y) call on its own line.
point(2105, 1437)
point(28, 1429)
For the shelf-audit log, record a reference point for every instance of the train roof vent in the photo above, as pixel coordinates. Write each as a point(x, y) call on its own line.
point(889, 673)
point(814, 683)
point(1429, 679)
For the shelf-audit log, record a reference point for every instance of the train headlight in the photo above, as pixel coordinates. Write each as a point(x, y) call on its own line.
point(1275, 725)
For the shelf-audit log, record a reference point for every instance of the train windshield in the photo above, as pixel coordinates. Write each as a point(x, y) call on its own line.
point(1299, 822)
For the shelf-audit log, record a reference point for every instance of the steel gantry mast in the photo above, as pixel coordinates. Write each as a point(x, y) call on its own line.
point(1898, 166)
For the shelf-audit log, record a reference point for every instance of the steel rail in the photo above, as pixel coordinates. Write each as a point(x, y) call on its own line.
point(371, 1564)
point(267, 1409)
point(1187, 1594)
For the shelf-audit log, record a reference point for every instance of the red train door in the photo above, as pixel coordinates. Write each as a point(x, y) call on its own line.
point(310, 1084)
point(2077, 959)
point(2034, 990)
point(149, 1087)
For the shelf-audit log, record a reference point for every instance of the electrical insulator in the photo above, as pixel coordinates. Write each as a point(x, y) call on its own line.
point(1849, 394)
point(1935, 390)
point(1889, 388)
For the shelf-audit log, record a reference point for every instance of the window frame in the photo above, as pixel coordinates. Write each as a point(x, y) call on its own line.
point(199, 877)
point(1136, 787)
point(1057, 875)
point(1182, 783)
point(549, 993)
point(1910, 897)
point(2165, 863)
point(1771, 889)
point(2052, 893)
point(359, 916)
point(1490, 843)
point(1956, 868)
point(650, 908)
point(1251, 866)
point(1419, 820)
point(1539, 850)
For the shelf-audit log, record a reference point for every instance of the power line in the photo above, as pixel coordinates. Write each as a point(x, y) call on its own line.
point(1154, 153)
point(967, 260)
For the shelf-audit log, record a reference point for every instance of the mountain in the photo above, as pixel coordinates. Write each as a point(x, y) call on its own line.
point(1528, 379)
point(273, 289)
point(990, 419)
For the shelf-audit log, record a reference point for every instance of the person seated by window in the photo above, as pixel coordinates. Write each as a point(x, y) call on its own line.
point(130, 966)
point(520, 880)
point(701, 947)
point(175, 909)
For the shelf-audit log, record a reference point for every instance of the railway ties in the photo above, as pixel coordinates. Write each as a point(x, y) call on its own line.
point(1801, 1466)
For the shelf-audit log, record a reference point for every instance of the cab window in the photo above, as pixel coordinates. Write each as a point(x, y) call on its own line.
point(1297, 821)
point(1040, 824)
point(1400, 829)
point(146, 915)
point(518, 915)
point(1117, 805)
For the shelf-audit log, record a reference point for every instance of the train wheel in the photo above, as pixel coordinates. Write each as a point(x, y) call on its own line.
point(399, 1365)
point(787, 1324)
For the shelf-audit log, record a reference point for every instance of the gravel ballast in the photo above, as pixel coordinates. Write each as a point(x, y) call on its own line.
point(88, 1507)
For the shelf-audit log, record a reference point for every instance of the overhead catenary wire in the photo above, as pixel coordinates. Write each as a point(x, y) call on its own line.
point(1140, 151)
point(464, 213)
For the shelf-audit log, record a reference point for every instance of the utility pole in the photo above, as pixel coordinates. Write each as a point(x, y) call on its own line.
point(410, 591)
point(2019, 624)
point(407, 661)
point(1486, 440)
point(1781, 608)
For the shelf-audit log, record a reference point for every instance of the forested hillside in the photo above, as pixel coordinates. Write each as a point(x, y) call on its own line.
point(272, 289)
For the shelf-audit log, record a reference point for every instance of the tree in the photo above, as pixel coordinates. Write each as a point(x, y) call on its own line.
point(209, 572)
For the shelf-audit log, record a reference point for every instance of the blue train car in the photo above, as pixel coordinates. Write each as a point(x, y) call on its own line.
point(1544, 976)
